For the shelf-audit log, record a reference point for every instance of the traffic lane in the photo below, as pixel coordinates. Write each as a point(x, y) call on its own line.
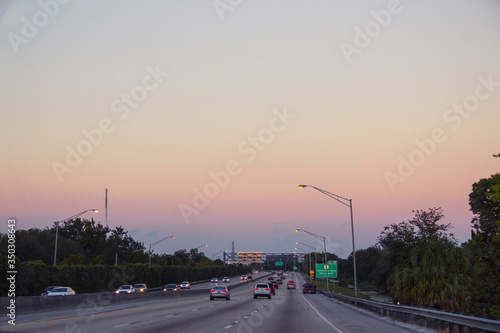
point(193, 314)
point(350, 319)
point(232, 282)
point(285, 312)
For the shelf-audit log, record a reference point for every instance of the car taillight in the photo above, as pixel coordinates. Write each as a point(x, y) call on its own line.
point(213, 291)
point(224, 291)
point(256, 288)
point(266, 288)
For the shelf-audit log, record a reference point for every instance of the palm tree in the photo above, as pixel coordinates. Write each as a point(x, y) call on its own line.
point(435, 276)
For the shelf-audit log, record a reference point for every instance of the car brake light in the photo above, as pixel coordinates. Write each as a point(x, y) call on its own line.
point(213, 291)
point(256, 288)
point(266, 288)
point(224, 291)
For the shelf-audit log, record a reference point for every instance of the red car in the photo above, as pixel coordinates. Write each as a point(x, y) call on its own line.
point(290, 285)
point(309, 288)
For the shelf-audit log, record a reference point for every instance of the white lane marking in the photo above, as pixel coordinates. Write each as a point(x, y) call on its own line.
point(167, 316)
point(122, 325)
point(228, 327)
point(319, 314)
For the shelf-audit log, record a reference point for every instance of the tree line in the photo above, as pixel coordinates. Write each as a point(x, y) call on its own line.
point(420, 263)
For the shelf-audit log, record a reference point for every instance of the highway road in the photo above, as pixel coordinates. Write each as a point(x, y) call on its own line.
point(287, 311)
point(234, 280)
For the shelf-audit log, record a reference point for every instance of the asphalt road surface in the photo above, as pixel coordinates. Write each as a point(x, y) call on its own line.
point(288, 311)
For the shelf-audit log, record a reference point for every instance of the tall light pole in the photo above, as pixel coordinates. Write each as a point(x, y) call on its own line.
point(213, 256)
point(67, 219)
point(154, 244)
point(191, 256)
point(310, 269)
point(324, 243)
point(348, 203)
point(312, 247)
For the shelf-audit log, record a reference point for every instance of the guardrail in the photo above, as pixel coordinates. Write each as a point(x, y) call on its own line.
point(434, 319)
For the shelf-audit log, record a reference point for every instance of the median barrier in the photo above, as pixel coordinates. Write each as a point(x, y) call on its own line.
point(33, 304)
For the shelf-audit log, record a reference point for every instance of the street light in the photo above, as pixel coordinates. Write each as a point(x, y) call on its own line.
point(67, 219)
point(348, 203)
point(191, 256)
point(309, 258)
point(213, 257)
point(312, 247)
point(154, 244)
point(324, 243)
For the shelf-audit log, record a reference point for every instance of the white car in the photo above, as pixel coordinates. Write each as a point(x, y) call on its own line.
point(214, 280)
point(262, 289)
point(185, 285)
point(61, 291)
point(140, 288)
point(225, 280)
point(126, 289)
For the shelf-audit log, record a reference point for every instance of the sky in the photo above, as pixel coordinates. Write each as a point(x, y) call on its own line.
point(201, 118)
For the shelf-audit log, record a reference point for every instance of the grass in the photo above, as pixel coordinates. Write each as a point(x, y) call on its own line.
point(340, 290)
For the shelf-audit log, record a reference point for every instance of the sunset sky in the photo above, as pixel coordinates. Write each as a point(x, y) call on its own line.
point(203, 117)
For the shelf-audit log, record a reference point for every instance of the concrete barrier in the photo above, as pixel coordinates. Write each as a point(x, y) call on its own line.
point(33, 304)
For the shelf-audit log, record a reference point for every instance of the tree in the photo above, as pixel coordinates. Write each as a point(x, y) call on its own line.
point(484, 201)
point(436, 276)
point(427, 267)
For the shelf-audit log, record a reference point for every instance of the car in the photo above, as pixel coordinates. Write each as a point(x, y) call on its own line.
point(61, 291)
point(279, 281)
point(272, 286)
point(48, 289)
point(225, 280)
point(290, 285)
point(270, 278)
point(185, 285)
point(140, 288)
point(276, 285)
point(243, 277)
point(309, 288)
point(262, 289)
point(125, 289)
point(171, 287)
point(219, 292)
point(214, 280)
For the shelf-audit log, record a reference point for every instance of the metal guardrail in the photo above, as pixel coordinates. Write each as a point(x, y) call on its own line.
point(434, 319)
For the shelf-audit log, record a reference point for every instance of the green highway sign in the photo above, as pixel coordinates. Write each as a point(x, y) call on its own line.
point(278, 263)
point(294, 268)
point(323, 269)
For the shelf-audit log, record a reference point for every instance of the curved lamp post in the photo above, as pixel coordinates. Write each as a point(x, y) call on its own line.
point(190, 256)
point(348, 203)
point(67, 219)
point(154, 244)
point(323, 238)
point(299, 248)
point(312, 247)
